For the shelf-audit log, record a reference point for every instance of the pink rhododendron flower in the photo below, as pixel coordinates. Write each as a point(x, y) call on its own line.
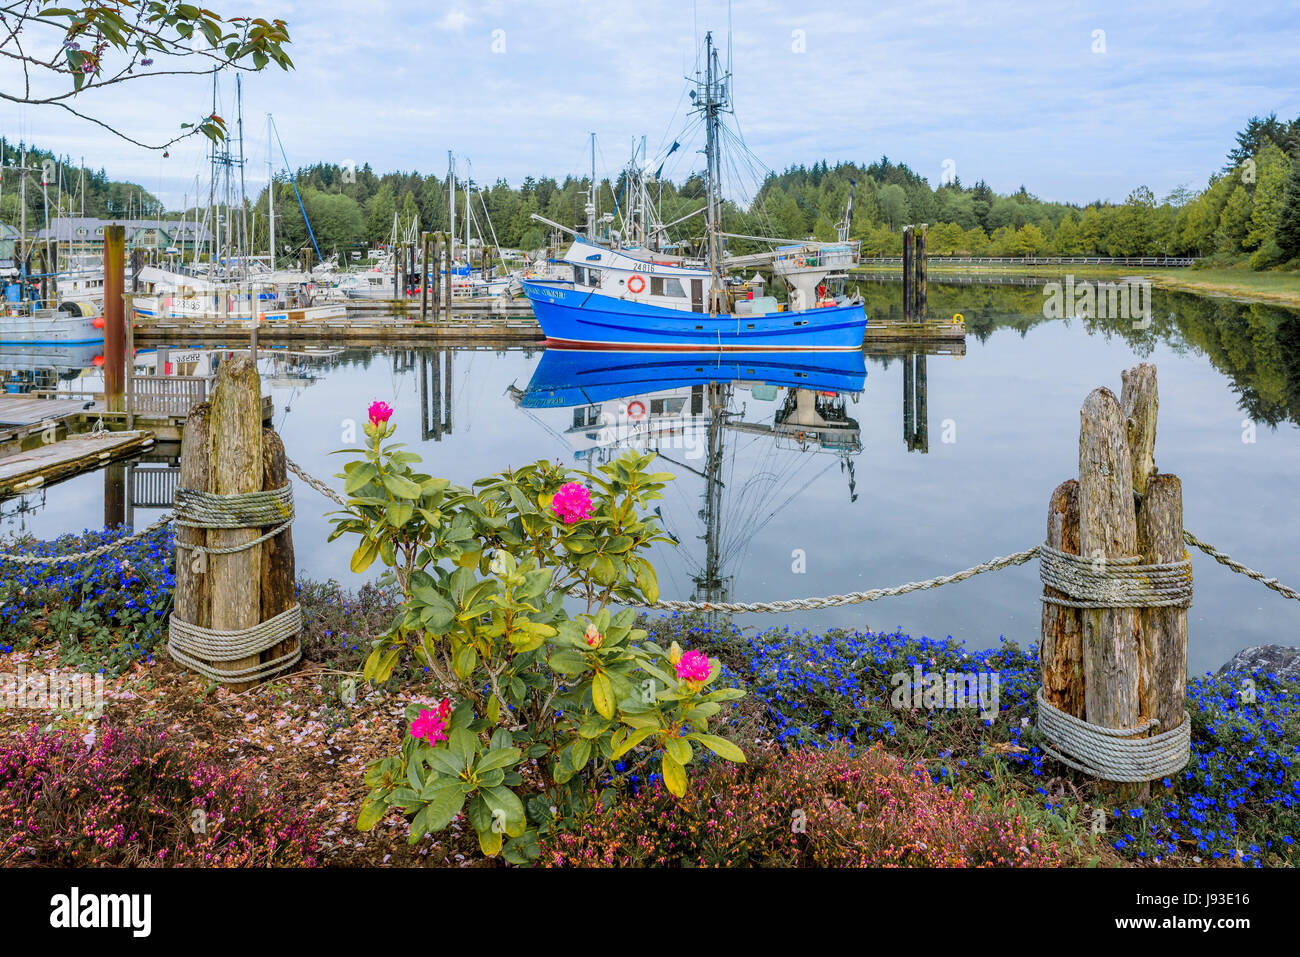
point(430, 726)
point(444, 708)
point(380, 412)
point(593, 636)
point(693, 666)
point(572, 503)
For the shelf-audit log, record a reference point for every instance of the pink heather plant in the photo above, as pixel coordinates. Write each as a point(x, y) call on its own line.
point(693, 666)
point(380, 412)
point(572, 503)
point(430, 725)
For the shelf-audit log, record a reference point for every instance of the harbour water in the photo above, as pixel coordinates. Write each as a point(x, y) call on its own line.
point(958, 472)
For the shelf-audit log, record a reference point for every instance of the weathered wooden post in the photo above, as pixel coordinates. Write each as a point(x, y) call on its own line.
point(435, 305)
point(424, 277)
point(114, 328)
point(1163, 648)
point(235, 454)
point(235, 619)
point(908, 246)
point(922, 272)
point(277, 585)
point(1114, 634)
point(447, 284)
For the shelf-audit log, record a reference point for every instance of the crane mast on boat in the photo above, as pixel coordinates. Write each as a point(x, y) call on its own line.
point(711, 99)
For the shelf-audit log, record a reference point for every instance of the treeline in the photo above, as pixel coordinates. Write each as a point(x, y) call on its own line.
point(1248, 211)
point(104, 198)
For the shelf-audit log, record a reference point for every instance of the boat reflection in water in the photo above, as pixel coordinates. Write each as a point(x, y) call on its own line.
point(685, 405)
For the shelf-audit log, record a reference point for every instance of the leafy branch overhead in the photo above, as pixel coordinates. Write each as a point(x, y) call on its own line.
point(67, 51)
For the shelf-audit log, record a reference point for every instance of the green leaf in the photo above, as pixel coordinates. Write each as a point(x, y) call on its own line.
point(720, 746)
point(674, 776)
point(465, 661)
point(499, 758)
point(579, 753)
point(602, 695)
point(401, 487)
point(647, 581)
point(504, 800)
point(364, 556)
point(679, 749)
point(568, 661)
point(372, 812)
point(359, 477)
point(632, 740)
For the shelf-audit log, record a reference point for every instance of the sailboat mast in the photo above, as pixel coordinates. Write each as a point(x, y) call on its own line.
point(451, 190)
point(245, 246)
point(591, 194)
point(270, 193)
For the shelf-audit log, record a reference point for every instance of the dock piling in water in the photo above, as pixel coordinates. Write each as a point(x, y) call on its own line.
point(114, 318)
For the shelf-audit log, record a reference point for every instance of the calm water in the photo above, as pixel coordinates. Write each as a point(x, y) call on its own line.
point(877, 495)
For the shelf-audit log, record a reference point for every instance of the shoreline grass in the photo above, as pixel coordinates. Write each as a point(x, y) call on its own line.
point(1245, 285)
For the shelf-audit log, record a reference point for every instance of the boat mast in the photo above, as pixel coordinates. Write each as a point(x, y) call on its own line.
point(712, 100)
point(591, 194)
point(451, 189)
point(246, 247)
point(270, 193)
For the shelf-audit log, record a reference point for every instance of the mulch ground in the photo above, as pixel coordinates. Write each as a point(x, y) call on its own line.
point(296, 737)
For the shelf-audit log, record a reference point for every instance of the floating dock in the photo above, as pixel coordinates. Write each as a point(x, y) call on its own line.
point(43, 464)
point(363, 325)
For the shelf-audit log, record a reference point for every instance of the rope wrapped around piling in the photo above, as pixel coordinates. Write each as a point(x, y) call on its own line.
point(1113, 754)
point(195, 509)
point(1114, 582)
point(196, 647)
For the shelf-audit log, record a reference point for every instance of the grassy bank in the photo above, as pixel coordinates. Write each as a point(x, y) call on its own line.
point(1276, 288)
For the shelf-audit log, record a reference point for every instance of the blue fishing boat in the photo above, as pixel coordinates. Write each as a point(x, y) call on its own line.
point(631, 295)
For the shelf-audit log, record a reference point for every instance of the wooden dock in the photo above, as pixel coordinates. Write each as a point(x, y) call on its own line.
point(360, 326)
point(918, 330)
point(47, 463)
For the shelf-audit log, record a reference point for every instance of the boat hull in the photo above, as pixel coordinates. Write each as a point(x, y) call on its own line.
point(566, 378)
point(59, 328)
point(578, 319)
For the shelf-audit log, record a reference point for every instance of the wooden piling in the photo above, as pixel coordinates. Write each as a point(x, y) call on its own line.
point(114, 318)
point(277, 585)
point(424, 277)
point(908, 249)
point(193, 596)
point(235, 455)
point(447, 277)
point(1061, 652)
point(922, 273)
point(1163, 644)
point(1108, 530)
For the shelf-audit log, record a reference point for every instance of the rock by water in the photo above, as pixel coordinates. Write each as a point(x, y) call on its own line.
point(1278, 659)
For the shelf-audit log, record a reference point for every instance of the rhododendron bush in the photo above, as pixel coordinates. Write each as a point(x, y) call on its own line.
point(539, 689)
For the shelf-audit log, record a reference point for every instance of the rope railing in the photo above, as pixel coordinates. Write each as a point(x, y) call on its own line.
point(1128, 755)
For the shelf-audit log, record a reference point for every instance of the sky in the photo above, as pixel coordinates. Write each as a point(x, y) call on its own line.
point(1075, 101)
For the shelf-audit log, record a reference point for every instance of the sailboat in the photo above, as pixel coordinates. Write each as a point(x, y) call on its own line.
point(232, 284)
point(638, 298)
point(48, 306)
